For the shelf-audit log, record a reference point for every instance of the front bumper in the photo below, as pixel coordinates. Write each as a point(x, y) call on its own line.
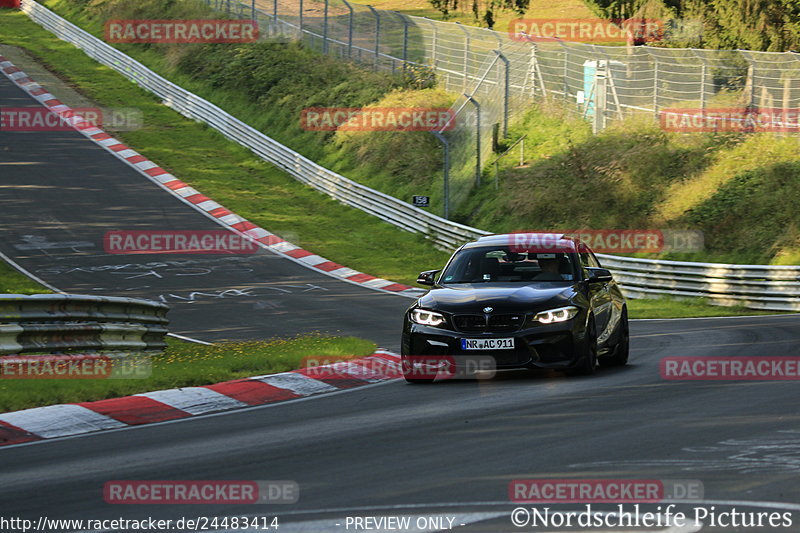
point(539, 346)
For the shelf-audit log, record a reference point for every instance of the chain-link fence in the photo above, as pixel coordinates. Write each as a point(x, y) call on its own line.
point(498, 77)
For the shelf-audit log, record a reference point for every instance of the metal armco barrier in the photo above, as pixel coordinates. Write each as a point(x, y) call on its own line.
point(767, 287)
point(64, 322)
point(759, 287)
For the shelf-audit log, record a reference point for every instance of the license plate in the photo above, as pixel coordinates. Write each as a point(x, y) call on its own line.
point(487, 344)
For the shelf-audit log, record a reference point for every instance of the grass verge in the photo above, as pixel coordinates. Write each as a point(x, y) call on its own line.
point(185, 364)
point(13, 282)
point(687, 308)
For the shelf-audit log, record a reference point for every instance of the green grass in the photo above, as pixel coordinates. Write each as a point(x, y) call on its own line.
point(230, 174)
point(686, 308)
point(13, 282)
point(740, 190)
point(185, 365)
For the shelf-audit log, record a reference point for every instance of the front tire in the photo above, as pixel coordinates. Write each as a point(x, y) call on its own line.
point(623, 348)
point(588, 363)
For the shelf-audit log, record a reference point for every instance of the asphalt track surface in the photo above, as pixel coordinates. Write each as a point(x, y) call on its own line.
point(442, 450)
point(60, 193)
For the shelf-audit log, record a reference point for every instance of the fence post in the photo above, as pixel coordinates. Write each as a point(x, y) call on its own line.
point(703, 88)
point(750, 85)
point(477, 105)
point(564, 74)
point(446, 147)
point(275, 10)
point(377, 34)
point(405, 39)
point(325, 29)
point(532, 69)
point(655, 86)
point(433, 42)
point(253, 12)
point(466, 53)
point(349, 29)
point(505, 82)
point(301, 19)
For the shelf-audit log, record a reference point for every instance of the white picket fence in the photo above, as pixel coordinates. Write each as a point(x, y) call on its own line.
point(755, 286)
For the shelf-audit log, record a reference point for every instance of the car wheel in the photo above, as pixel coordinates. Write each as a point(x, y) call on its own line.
point(622, 349)
point(588, 363)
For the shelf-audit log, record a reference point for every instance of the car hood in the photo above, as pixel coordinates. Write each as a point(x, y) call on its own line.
point(503, 297)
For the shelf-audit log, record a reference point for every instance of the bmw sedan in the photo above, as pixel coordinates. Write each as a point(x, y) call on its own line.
point(523, 301)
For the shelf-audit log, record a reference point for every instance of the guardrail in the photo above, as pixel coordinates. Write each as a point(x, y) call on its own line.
point(763, 286)
point(769, 287)
point(64, 322)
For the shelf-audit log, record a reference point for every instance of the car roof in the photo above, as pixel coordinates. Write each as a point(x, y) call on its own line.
point(501, 239)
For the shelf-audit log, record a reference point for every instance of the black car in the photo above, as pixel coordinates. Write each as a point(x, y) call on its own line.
point(528, 302)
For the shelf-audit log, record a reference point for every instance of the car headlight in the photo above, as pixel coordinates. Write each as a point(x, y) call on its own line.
point(427, 318)
point(562, 314)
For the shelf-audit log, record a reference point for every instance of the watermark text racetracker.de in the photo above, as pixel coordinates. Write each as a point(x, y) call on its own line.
point(76, 366)
point(730, 119)
point(181, 31)
point(178, 242)
point(377, 119)
point(38, 119)
point(610, 241)
point(587, 30)
point(201, 492)
point(716, 368)
point(603, 490)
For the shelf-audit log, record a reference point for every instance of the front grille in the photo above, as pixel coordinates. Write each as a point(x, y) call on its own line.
point(494, 323)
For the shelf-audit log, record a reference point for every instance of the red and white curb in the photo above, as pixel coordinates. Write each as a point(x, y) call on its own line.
point(193, 197)
point(160, 406)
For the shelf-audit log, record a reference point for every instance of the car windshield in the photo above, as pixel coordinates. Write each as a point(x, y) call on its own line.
point(500, 264)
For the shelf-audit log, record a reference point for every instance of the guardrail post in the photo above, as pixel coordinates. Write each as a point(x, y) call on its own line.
point(506, 88)
point(446, 147)
point(377, 34)
point(349, 29)
point(275, 10)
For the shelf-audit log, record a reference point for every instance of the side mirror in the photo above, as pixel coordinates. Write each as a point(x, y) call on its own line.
point(427, 277)
point(599, 275)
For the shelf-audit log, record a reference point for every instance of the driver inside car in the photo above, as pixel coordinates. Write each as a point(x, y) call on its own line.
point(550, 270)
